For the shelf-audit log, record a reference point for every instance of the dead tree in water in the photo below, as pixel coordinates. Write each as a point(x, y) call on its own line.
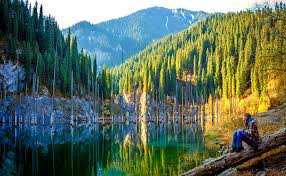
point(94, 98)
point(176, 102)
point(34, 101)
point(187, 101)
point(182, 105)
point(111, 99)
point(53, 96)
point(191, 102)
point(37, 95)
point(197, 105)
point(157, 109)
point(102, 107)
point(164, 108)
point(72, 118)
point(88, 98)
point(174, 109)
point(204, 101)
point(99, 107)
point(18, 86)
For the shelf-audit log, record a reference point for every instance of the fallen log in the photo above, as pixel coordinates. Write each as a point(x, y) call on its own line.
point(224, 162)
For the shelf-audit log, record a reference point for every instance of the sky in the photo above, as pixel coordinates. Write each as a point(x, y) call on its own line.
point(69, 12)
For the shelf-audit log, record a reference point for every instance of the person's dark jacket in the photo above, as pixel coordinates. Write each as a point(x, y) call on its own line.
point(251, 130)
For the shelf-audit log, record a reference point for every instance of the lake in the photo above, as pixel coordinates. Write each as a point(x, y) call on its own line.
point(112, 149)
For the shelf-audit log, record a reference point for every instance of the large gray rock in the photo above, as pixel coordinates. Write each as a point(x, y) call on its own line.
point(9, 75)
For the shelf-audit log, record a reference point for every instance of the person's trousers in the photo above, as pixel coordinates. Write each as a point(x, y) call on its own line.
point(238, 137)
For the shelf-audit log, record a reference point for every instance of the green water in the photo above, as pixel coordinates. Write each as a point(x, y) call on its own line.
point(100, 150)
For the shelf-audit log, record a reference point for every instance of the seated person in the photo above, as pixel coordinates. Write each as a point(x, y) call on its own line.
point(249, 134)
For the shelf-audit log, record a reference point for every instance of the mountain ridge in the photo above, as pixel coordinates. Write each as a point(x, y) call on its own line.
point(118, 39)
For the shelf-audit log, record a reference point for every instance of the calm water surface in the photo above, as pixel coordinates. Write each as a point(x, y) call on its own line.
point(115, 149)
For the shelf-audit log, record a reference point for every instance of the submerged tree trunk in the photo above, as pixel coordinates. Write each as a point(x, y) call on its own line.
point(94, 99)
point(182, 106)
point(72, 119)
point(111, 101)
point(174, 110)
point(88, 98)
point(34, 99)
point(18, 87)
point(176, 102)
point(222, 163)
point(102, 108)
point(99, 107)
point(54, 84)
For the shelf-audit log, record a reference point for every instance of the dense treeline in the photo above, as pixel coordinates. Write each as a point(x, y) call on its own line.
point(44, 50)
point(223, 56)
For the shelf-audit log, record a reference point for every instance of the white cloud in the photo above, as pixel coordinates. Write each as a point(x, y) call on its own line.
point(68, 12)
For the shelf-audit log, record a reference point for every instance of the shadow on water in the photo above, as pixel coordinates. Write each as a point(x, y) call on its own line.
point(113, 149)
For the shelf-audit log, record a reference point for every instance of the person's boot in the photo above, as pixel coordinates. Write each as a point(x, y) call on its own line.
point(233, 149)
point(255, 147)
point(239, 149)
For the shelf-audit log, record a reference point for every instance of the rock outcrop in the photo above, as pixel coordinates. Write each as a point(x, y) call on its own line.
point(11, 76)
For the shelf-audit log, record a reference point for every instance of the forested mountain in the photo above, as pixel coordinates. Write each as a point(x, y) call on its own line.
point(34, 41)
point(124, 37)
point(167, 109)
point(224, 56)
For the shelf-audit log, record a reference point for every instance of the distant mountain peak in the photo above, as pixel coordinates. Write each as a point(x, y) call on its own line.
point(258, 4)
point(125, 36)
point(270, 2)
point(84, 22)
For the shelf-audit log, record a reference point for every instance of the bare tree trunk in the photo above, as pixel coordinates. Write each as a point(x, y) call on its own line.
point(191, 100)
point(176, 103)
point(111, 101)
point(197, 105)
point(213, 96)
point(54, 84)
point(18, 86)
point(94, 98)
point(99, 107)
point(37, 96)
point(182, 105)
point(187, 102)
point(88, 99)
point(102, 107)
point(134, 99)
point(34, 102)
point(165, 110)
point(217, 113)
point(193, 111)
point(72, 118)
point(174, 110)
point(204, 101)
point(157, 105)
point(26, 96)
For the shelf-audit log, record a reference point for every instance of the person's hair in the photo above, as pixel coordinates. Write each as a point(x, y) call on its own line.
point(247, 115)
